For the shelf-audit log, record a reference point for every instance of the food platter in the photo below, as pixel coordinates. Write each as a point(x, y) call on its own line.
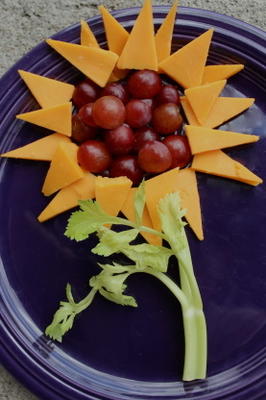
point(119, 353)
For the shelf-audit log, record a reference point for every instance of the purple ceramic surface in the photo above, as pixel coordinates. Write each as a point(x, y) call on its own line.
point(122, 353)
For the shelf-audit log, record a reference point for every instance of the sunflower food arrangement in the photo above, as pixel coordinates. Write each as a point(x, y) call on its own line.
point(132, 135)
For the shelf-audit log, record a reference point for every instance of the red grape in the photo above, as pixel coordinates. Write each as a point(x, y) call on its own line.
point(144, 84)
point(85, 92)
point(80, 131)
point(120, 140)
point(94, 156)
point(85, 114)
point(168, 94)
point(138, 113)
point(108, 112)
point(154, 157)
point(166, 118)
point(127, 166)
point(143, 135)
point(115, 89)
point(179, 149)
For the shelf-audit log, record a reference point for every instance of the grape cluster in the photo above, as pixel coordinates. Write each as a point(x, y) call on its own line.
point(129, 128)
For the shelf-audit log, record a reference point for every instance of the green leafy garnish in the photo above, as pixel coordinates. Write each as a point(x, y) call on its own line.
point(145, 258)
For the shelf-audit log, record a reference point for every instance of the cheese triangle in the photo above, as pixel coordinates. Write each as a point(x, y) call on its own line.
point(69, 196)
point(163, 37)
point(64, 169)
point(111, 193)
point(58, 118)
point(87, 37)
point(202, 98)
point(218, 163)
point(139, 51)
point(214, 73)
point(224, 109)
point(42, 149)
point(87, 59)
point(48, 92)
point(116, 34)
point(171, 181)
point(186, 65)
point(187, 187)
point(129, 211)
point(203, 139)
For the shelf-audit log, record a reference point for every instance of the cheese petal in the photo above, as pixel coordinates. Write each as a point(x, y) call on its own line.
point(218, 163)
point(129, 211)
point(111, 193)
point(203, 139)
point(68, 197)
point(171, 181)
point(58, 118)
point(186, 65)
point(163, 37)
point(116, 34)
point(87, 37)
point(224, 109)
point(139, 51)
point(202, 98)
point(64, 169)
point(48, 92)
point(42, 149)
point(214, 73)
point(95, 63)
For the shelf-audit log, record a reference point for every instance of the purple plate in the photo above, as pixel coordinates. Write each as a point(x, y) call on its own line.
point(122, 353)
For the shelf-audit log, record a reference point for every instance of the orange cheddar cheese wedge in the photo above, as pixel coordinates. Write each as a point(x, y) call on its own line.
point(87, 59)
point(188, 188)
point(68, 197)
point(111, 193)
point(58, 118)
point(129, 212)
point(163, 37)
point(155, 189)
point(186, 65)
point(214, 73)
point(48, 92)
point(139, 51)
point(203, 139)
point(224, 109)
point(184, 181)
point(116, 34)
point(87, 37)
point(118, 74)
point(42, 149)
point(64, 169)
point(218, 163)
point(189, 113)
point(202, 98)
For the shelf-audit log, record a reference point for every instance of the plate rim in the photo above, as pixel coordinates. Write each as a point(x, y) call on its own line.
point(10, 362)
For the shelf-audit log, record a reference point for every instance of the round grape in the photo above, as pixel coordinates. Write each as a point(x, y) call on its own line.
point(179, 149)
point(85, 92)
point(168, 94)
point(108, 112)
point(143, 135)
point(94, 156)
point(85, 114)
point(115, 89)
point(166, 118)
point(120, 141)
point(138, 113)
point(80, 131)
point(154, 157)
point(144, 84)
point(127, 166)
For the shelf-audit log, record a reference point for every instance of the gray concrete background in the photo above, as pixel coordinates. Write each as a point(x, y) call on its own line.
point(24, 23)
